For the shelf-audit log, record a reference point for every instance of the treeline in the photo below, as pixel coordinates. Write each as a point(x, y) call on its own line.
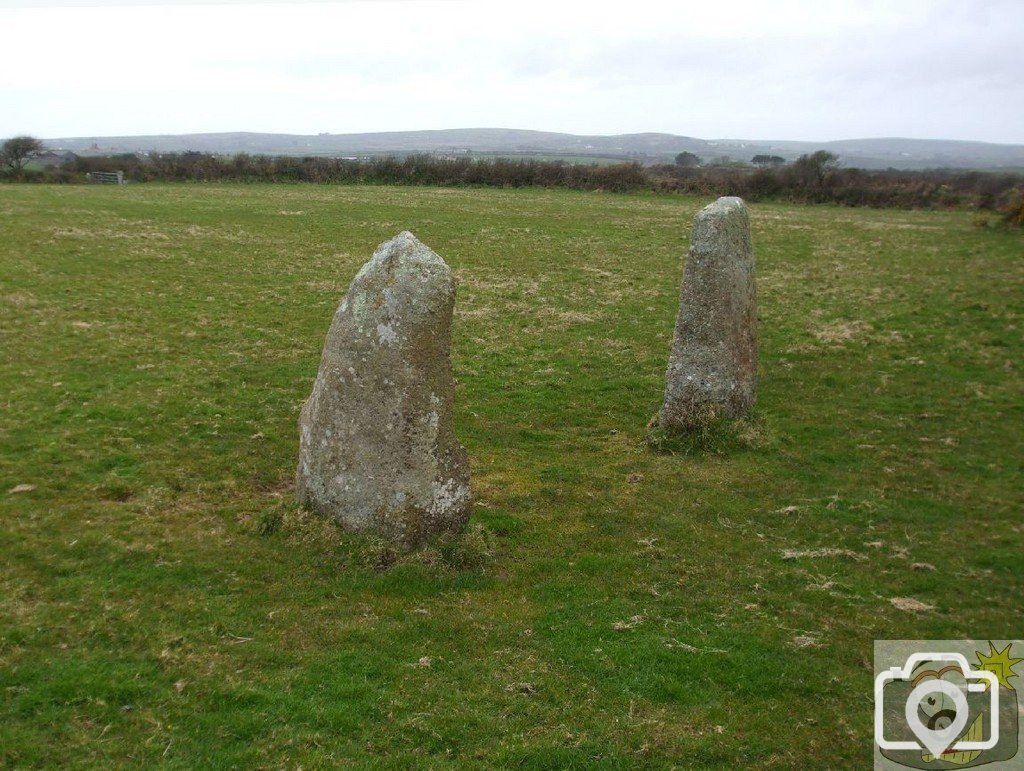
point(811, 179)
point(385, 170)
point(934, 189)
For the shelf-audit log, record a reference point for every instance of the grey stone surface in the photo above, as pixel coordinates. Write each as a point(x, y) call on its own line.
point(713, 363)
point(377, 451)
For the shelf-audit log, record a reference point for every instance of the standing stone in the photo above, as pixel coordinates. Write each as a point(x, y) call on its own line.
point(712, 370)
point(377, 451)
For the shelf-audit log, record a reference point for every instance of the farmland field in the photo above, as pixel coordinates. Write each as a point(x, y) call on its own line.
point(162, 603)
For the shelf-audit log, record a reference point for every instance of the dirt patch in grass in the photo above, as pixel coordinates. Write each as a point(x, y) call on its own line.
point(839, 332)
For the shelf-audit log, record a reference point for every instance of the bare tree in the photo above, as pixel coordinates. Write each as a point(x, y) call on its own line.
point(17, 151)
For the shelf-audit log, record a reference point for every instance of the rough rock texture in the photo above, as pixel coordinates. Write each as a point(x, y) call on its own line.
point(376, 447)
point(713, 363)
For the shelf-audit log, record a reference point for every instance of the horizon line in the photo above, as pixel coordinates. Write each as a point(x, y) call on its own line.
point(534, 131)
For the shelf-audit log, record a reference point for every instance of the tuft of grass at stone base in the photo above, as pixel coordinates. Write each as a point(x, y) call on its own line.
point(709, 433)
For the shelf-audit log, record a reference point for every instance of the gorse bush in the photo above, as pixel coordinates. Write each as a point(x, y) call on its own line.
point(1013, 210)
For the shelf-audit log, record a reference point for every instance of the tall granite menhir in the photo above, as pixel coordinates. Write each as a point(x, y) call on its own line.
point(712, 370)
point(377, 451)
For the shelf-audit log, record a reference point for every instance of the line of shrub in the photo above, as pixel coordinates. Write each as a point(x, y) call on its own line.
point(803, 181)
point(386, 170)
point(935, 189)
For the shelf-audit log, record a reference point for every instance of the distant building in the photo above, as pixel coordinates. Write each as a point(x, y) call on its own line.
point(51, 159)
point(453, 154)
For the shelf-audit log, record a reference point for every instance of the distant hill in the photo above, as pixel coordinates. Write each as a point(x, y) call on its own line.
point(647, 148)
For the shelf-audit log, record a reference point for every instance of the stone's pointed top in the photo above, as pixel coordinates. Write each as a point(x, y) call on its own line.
point(719, 224)
point(405, 239)
point(725, 204)
point(405, 244)
point(406, 255)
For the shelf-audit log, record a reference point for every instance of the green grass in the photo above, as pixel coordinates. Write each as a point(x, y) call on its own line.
point(162, 603)
point(581, 159)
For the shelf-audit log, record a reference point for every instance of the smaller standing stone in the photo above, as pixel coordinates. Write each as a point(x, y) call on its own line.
point(712, 369)
point(377, 449)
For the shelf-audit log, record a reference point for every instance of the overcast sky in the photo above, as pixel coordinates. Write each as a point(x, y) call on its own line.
point(740, 69)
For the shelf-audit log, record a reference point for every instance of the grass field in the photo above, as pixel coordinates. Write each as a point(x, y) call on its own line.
point(162, 603)
point(583, 160)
